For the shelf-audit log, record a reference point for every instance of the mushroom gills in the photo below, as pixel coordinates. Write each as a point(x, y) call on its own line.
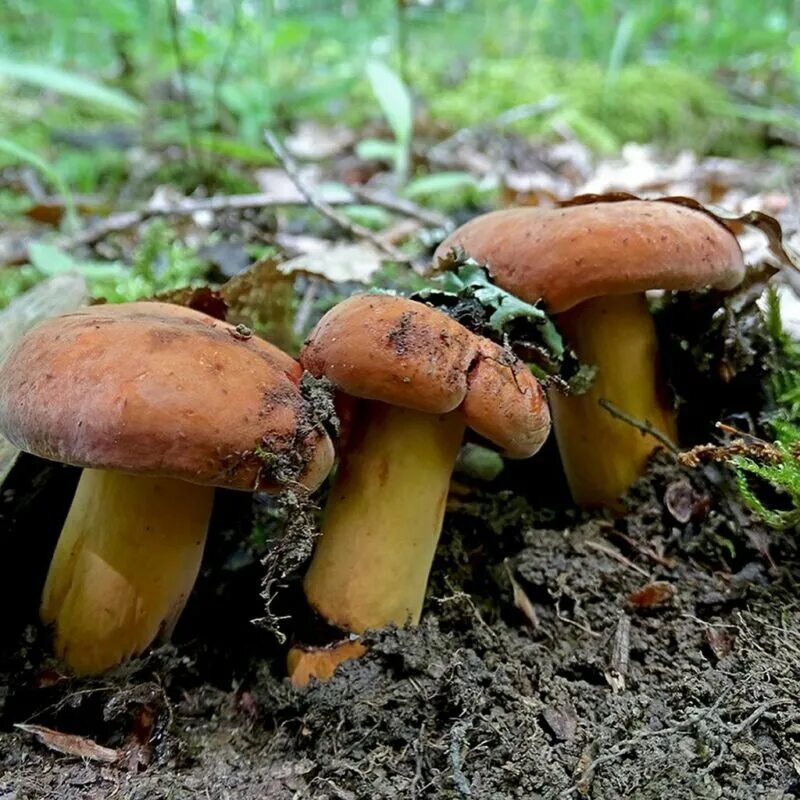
point(124, 566)
point(383, 517)
point(604, 455)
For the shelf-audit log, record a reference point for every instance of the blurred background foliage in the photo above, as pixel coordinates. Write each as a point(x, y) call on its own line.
point(105, 105)
point(80, 83)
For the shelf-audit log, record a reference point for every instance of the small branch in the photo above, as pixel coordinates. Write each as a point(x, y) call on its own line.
point(507, 117)
point(400, 205)
point(457, 736)
point(183, 73)
point(617, 672)
point(123, 220)
point(617, 556)
point(624, 747)
point(324, 208)
point(641, 425)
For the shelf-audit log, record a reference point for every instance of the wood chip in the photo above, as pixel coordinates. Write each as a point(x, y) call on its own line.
point(617, 671)
point(71, 745)
point(521, 599)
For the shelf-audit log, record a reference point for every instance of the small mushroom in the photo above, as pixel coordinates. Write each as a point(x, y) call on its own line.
point(422, 378)
point(159, 404)
point(591, 264)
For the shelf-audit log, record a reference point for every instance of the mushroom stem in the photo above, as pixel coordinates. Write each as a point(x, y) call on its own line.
point(603, 455)
point(127, 558)
point(383, 518)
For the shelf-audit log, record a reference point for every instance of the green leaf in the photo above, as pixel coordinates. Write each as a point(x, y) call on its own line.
point(51, 261)
point(379, 150)
point(395, 102)
point(438, 183)
point(371, 217)
point(469, 280)
point(78, 87)
point(394, 99)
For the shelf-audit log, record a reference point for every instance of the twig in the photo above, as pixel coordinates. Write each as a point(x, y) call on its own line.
point(641, 425)
point(183, 73)
point(457, 735)
point(617, 556)
point(419, 752)
point(617, 672)
point(325, 208)
point(305, 307)
point(669, 563)
point(750, 720)
point(626, 745)
point(581, 626)
point(123, 220)
point(400, 205)
point(504, 118)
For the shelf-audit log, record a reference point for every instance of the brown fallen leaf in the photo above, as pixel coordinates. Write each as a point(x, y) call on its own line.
point(262, 298)
point(719, 642)
point(562, 722)
point(652, 594)
point(70, 744)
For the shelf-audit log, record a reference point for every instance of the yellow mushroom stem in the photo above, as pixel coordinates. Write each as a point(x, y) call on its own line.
point(603, 455)
point(383, 518)
point(124, 566)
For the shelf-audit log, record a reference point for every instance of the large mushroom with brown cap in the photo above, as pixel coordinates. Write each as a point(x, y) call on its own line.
point(591, 262)
point(421, 379)
point(159, 404)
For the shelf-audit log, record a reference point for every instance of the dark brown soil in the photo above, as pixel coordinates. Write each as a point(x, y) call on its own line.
point(541, 669)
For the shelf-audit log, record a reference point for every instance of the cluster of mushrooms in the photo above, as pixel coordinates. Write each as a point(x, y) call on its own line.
point(159, 404)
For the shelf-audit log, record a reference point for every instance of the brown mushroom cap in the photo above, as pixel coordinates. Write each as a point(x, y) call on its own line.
point(398, 351)
point(567, 255)
point(161, 390)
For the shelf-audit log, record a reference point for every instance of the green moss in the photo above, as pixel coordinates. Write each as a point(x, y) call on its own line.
point(640, 102)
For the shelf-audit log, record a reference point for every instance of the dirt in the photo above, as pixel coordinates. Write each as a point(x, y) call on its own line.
point(552, 662)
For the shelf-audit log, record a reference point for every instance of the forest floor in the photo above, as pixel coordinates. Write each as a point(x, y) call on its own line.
point(561, 654)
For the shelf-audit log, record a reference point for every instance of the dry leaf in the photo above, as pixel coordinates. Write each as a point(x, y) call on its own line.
point(521, 600)
point(262, 298)
point(314, 141)
point(339, 263)
point(201, 298)
point(719, 642)
point(652, 594)
point(71, 745)
point(562, 722)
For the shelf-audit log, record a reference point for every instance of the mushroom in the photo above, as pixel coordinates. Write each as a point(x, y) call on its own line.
point(421, 379)
point(591, 264)
point(159, 404)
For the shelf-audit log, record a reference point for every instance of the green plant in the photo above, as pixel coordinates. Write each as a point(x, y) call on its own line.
point(773, 466)
point(395, 101)
point(160, 263)
point(778, 465)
